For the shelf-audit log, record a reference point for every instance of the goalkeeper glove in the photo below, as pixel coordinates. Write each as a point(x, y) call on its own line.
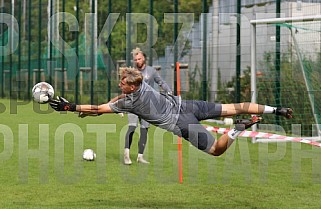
point(83, 114)
point(61, 104)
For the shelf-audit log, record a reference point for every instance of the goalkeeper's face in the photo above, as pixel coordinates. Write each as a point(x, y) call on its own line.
point(125, 87)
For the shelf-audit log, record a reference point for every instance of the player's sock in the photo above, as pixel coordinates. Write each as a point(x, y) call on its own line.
point(269, 109)
point(233, 133)
point(126, 152)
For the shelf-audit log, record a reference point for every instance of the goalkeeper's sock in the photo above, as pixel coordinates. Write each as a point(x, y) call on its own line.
point(233, 133)
point(269, 109)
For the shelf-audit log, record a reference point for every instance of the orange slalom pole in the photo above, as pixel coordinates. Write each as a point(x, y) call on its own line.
point(179, 140)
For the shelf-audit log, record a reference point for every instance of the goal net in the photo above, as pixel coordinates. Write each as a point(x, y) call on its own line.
point(286, 70)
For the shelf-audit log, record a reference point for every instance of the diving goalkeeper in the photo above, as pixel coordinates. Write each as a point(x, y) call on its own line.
point(182, 117)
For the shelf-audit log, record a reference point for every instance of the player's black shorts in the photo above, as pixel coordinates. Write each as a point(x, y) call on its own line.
point(188, 122)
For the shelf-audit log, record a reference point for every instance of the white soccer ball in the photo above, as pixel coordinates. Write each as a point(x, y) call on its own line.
point(42, 92)
point(89, 155)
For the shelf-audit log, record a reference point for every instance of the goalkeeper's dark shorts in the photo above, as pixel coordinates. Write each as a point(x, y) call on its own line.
point(188, 122)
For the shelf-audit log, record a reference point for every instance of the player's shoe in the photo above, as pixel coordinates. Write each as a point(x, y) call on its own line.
point(242, 124)
point(127, 160)
point(142, 160)
point(285, 112)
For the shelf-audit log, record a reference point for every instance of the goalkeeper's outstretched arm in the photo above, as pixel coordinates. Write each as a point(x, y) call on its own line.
point(94, 109)
point(61, 104)
point(83, 114)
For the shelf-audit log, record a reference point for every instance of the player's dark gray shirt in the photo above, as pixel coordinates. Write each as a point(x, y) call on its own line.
point(158, 109)
point(151, 76)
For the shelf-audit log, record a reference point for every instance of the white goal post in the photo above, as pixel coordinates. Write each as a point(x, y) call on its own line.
point(253, 24)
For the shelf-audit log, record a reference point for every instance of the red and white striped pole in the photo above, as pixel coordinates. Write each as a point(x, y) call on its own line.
point(264, 135)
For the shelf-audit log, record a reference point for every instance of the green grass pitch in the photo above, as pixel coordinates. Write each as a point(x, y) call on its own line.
point(42, 167)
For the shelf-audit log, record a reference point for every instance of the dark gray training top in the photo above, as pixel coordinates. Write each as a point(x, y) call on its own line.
point(158, 109)
point(151, 76)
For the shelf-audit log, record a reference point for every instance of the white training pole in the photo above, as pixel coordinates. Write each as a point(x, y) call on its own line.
point(253, 71)
point(286, 20)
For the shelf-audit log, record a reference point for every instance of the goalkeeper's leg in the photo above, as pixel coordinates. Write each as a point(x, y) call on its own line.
point(252, 108)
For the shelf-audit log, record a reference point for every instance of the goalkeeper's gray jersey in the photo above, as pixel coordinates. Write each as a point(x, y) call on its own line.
point(156, 108)
point(151, 76)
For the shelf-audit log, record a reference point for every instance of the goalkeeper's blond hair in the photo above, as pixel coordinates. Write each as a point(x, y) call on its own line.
point(133, 76)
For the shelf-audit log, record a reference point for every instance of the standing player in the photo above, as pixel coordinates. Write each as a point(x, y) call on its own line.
point(173, 114)
point(151, 76)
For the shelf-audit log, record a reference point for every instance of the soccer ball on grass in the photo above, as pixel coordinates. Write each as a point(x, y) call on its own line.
point(89, 155)
point(42, 92)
